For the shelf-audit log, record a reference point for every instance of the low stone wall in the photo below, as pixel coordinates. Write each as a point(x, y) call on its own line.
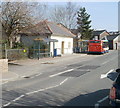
point(3, 65)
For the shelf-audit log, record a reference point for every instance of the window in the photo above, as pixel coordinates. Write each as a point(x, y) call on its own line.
point(118, 79)
point(94, 41)
point(69, 44)
point(105, 44)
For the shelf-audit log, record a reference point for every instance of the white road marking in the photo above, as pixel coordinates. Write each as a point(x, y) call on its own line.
point(47, 87)
point(105, 62)
point(36, 75)
point(105, 75)
point(34, 91)
point(29, 93)
point(64, 81)
point(18, 98)
point(100, 101)
point(61, 73)
point(96, 105)
point(7, 104)
point(32, 77)
point(103, 99)
point(4, 83)
point(10, 79)
point(108, 60)
point(23, 76)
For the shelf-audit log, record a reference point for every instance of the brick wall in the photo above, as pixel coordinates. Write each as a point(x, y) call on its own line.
point(3, 65)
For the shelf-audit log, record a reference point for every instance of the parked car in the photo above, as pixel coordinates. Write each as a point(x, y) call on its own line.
point(114, 95)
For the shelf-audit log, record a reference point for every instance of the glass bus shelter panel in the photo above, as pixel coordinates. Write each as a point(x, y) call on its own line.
point(41, 49)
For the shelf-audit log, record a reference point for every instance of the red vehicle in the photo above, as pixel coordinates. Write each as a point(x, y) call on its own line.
point(98, 46)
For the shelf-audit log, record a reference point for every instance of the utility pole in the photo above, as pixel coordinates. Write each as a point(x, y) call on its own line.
point(6, 52)
point(39, 50)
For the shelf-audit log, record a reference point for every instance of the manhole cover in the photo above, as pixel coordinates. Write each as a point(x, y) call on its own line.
point(88, 67)
point(74, 73)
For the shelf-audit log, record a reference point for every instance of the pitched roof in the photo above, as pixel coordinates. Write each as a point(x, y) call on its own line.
point(59, 29)
point(40, 28)
point(75, 31)
point(47, 27)
point(112, 37)
point(98, 32)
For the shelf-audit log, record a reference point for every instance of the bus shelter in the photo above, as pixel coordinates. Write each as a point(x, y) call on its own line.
point(83, 46)
point(42, 47)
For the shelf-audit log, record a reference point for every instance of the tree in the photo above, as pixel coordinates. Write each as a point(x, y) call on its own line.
point(18, 15)
point(84, 24)
point(38, 11)
point(65, 14)
point(58, 14)
point(71, 12)
point(15, 16)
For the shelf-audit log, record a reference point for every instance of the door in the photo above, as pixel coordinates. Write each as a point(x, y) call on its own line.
point(62, 47)
point(116, 46)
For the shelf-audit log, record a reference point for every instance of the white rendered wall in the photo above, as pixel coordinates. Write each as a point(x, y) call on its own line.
point(68, 45)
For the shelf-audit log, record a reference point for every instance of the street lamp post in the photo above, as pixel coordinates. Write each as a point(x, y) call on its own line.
point(39, 50)
point(78, 37)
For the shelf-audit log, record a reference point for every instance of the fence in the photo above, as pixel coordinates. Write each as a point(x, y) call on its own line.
point(36, 53)
point(15, 54)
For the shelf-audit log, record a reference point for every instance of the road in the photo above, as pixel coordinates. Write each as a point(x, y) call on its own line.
point(69, 82)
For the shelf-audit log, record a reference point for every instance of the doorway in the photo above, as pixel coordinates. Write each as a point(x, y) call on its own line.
point(116, 46)
point(62, 50)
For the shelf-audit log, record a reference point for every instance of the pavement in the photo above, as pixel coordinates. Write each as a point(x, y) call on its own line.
point(9, 76)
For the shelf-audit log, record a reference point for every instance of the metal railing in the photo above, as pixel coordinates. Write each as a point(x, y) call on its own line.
point(15, 54)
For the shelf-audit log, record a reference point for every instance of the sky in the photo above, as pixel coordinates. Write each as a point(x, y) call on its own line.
point(119, 16)
point(104, 15)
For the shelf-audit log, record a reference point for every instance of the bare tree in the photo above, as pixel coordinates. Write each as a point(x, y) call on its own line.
point(58, 14)
point(18, 15)
point(65, 14)
point(15, 16)
point(71, 13)
point(38, 11)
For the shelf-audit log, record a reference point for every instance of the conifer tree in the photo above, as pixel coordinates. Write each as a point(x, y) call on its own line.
point(83, 22)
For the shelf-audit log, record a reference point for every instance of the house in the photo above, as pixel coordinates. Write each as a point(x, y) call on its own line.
point(99, 35)
point(79, 45)
point(50, 31)
point(114, 32)
point(76, 38)
point(113, 41)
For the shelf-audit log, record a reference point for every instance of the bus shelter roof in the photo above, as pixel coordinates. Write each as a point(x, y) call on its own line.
point(38, 39)
point(83, 40)
point(46, 40)
point(50, 40)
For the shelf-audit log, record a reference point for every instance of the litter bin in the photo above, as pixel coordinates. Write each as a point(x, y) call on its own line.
point(55, 52)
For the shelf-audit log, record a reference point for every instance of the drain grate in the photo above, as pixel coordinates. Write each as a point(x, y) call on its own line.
point(47, 63)
point(74, 73)
point(88, 67)
point(26, 77)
